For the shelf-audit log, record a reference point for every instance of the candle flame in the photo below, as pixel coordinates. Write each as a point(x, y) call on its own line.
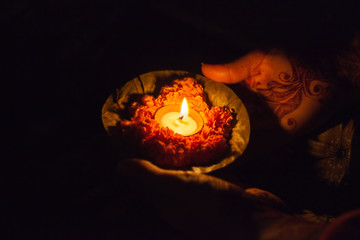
point(184, 109)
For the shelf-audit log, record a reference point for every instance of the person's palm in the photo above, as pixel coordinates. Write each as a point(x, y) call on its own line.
point(200, 205)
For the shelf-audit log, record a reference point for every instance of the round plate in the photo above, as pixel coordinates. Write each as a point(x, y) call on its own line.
point(113, 111)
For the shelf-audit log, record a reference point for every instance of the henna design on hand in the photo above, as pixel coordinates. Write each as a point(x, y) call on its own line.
point(286, 93)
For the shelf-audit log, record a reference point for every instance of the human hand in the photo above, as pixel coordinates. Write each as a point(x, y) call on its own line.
point(200, 205)
point(298, 96)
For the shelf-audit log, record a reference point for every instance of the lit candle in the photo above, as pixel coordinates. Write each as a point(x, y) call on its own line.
point(186, 122)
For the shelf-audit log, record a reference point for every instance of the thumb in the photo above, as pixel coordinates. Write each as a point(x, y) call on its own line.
point(150, 176)
point(236, 71)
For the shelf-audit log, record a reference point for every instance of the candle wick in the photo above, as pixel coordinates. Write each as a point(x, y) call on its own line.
point(181, 117)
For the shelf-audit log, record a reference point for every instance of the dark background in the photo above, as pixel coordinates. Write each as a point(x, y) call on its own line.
point(62, 59)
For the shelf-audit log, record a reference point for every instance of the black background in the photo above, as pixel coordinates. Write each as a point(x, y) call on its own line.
point(62, 59)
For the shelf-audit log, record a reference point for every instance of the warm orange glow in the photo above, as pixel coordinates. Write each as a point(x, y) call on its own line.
point(184, 109)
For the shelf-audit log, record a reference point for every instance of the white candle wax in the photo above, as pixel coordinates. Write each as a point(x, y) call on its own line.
point(186, 126)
